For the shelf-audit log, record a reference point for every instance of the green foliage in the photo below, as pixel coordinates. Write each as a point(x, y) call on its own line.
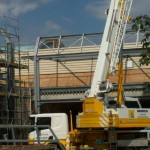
point(145, 58)
point(142, 24)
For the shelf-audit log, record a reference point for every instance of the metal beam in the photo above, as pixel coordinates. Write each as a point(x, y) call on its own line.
point(83, 89)
point(86, 55)
point(36, 78)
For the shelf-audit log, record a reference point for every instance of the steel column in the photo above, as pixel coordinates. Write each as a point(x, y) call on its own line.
point(36, 78)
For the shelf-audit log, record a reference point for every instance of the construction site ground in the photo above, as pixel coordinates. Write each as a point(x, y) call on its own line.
point(29, 147)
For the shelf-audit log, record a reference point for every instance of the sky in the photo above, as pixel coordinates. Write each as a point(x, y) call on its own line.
point(61, 17)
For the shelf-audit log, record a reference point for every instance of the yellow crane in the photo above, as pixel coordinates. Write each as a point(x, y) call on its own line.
point(104, 123)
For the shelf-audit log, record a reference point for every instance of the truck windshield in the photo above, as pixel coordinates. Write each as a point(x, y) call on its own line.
point(44, 121)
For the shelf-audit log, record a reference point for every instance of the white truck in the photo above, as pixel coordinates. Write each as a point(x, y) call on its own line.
point(58, 122)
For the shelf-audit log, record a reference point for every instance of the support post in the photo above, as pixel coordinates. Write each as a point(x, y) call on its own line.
point(36, 78)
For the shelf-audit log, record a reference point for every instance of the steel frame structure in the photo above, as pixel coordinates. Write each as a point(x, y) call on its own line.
point(58, 54)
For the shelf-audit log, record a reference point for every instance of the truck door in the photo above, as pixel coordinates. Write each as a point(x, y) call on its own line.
point(44, 133)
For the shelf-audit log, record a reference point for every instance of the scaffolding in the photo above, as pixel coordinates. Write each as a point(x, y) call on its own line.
point(14, 93)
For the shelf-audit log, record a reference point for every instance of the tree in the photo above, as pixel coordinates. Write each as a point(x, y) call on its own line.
point(145, 58)
point(142, 24)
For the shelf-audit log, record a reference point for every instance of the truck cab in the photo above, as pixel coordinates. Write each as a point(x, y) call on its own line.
point(129, 102)
point(58, 122)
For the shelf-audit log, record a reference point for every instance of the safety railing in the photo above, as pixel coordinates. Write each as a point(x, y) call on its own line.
point(12, 139)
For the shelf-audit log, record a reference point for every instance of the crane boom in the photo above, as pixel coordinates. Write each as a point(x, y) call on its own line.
point(111, 44)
